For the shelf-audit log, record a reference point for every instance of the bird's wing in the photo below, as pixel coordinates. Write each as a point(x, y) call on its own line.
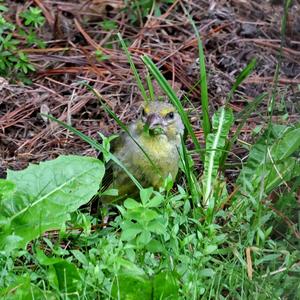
point(115, 146)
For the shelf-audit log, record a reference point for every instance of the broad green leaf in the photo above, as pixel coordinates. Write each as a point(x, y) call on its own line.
point(222, 121)
point(131, 203)
point(158, 225)
point(210, 249)
point(129, 267)
point(61, 273)
point(148, 215)
point(155, 246)
point(166, 286)
point(23, 289)
point(67, 276)
point(45, 260)
point(45, 194)
point(130, 287)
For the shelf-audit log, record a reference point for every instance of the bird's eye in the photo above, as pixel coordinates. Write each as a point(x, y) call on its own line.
point(170, 115)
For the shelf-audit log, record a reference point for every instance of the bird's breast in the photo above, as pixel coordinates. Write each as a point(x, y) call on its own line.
point(163, 155)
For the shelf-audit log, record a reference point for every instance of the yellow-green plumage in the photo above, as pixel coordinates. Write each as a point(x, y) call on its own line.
point(158, 133)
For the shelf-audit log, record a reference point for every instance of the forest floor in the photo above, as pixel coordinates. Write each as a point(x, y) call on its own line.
point(82, 46)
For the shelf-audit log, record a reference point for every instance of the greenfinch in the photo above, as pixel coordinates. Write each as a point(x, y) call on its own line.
point(157, 131)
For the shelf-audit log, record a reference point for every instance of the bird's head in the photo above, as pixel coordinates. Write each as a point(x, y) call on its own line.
point(161, 118)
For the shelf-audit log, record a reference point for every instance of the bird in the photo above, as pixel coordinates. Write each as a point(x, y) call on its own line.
point(149, 150)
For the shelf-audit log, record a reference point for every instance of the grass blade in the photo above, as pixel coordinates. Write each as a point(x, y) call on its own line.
point(190, 176)
point(203, 80)
point(133, 68)
point(242, 76)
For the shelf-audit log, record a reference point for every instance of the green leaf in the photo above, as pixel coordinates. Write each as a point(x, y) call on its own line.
point(280, 172)
point(132, 287)
point(157, 226)
point(144, 238)
point(155, 201)
point(67, 275)
point(108, 24)
point(45, 260)
point(131, 203)
point(210, 249)
point(270, 160)
point(145, 195)
point(243, 116)
point(286, 145)
point(80, 257)
point(6, 187)
point(222, 121)
point(45, 194)
point(166, 286)
point(207, 273)
point(23, 289)
point(148, 215)
point(129, 267)
point(155, 246)
point(130, 230)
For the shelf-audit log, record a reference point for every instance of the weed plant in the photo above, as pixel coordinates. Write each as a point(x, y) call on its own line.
point(14, 63)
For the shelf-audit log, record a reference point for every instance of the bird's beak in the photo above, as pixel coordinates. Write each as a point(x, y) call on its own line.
point(154, 121)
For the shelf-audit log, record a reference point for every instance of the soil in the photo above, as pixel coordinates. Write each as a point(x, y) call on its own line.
point(233, 32)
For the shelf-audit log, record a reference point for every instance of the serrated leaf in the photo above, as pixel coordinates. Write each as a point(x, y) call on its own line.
point(270, 160)
point(286, 145)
